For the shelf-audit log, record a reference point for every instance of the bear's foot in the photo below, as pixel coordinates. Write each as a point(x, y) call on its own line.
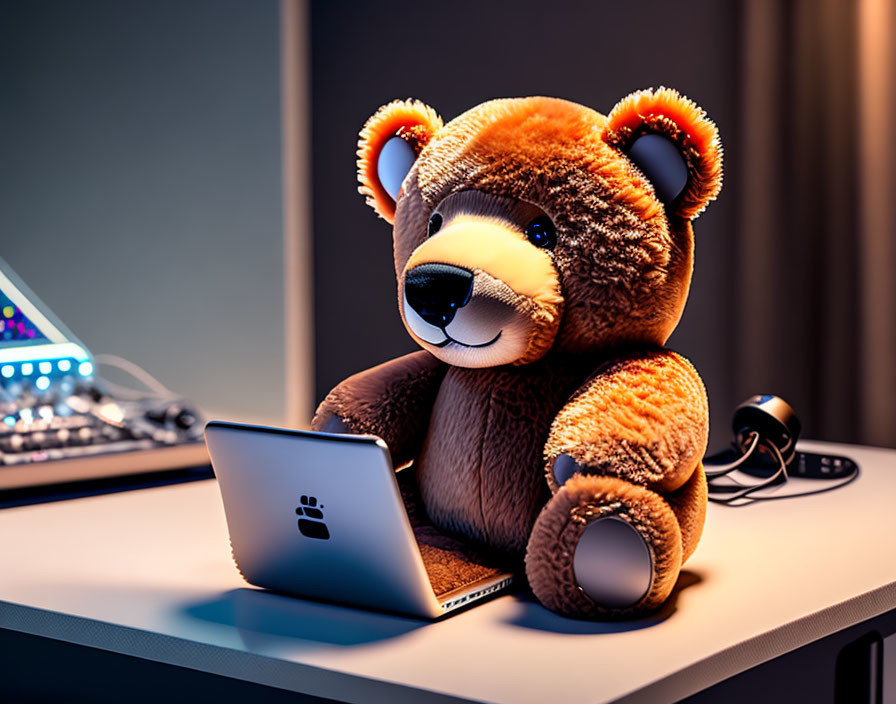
point(604, 548)
point(612, 563)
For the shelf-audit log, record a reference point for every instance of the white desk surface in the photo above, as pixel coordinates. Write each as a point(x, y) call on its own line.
point(148, 573)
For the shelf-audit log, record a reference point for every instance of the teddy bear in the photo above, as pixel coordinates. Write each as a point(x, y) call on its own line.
point(543, 255)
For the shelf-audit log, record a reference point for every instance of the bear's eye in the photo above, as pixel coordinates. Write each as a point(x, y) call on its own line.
point(541, 232)
point(435, 223)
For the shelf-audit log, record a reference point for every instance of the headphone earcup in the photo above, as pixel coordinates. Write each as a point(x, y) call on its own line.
point(773, 419)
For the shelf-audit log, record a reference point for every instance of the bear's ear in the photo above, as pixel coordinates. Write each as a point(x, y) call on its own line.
point(388, 146)
point(674, 144)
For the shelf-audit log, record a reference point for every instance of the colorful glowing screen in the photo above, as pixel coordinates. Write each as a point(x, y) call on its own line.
point(15, 327)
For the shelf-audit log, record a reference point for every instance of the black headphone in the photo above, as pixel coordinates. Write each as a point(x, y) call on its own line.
point(766, 430)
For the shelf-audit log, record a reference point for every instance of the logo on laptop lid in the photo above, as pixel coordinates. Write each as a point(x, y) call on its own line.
point(312, 525)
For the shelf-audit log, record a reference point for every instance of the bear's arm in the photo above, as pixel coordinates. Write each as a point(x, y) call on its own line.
point(392, 400)
point(643, 418)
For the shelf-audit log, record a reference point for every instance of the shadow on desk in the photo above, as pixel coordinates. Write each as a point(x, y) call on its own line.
point(26, 496)
point(534, 615)
point(258, 615)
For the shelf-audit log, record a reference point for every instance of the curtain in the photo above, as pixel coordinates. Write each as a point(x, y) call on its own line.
point(815, 312)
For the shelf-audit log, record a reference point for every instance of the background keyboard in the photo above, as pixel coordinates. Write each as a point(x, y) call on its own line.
point(88, 434)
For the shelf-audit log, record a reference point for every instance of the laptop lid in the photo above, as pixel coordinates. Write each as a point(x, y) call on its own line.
point(319, 515)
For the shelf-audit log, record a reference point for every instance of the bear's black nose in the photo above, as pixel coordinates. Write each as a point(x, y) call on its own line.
point(436, 291)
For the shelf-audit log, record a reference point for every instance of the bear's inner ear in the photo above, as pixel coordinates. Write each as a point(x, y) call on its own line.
point(673, 143)
point(393, 164)
point(388, 146)
point(662, 164)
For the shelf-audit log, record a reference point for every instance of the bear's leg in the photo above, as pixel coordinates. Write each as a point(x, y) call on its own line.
point(688, 503)
point(604, 548)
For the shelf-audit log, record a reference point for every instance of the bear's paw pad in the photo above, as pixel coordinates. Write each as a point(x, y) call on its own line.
point(613, 564)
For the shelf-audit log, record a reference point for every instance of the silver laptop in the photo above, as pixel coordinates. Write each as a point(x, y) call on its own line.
point(320, 515)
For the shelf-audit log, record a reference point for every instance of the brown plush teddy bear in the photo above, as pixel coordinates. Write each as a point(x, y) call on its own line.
point(543, 254)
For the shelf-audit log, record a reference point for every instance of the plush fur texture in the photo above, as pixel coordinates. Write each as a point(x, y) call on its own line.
point(641, 418)
point(392, 400)
point(412, 121)
point(576, 369)
point(549, 562)
point(521, 278)
point(689, 506)
point(623, 274)
point(451, 563)
point(486, 425)
point(667, 113)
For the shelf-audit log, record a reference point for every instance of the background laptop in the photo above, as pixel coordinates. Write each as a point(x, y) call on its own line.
point(59, 423)
point(323, 516)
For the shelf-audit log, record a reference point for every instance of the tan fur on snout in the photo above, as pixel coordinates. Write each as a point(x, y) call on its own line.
point(508, 272)
point(480, 243)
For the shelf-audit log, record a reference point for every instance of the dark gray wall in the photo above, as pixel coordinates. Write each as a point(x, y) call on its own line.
point(140, 185)
point(454, 55)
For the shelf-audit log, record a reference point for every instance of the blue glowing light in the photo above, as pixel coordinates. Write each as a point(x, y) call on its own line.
point(85, 369)
point(10, 421)
point(45, 367)
point(64, 365)
point(43, 383)
point(27, 368)
point(7, 371)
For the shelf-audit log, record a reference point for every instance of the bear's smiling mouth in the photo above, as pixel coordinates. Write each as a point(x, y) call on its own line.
point(496, 325)
point(471, 327)
point(449, 339)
